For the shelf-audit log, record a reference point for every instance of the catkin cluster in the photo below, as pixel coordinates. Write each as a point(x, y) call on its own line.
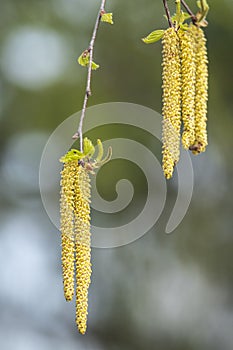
point(185, 93)
point(75, 233)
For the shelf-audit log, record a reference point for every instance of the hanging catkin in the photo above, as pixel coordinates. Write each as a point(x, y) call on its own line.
point(75, 223)
point(188, 72)
point(82, 246)
point(171, 101)
point(76, 237)
point(201, 91)
point(67, 232)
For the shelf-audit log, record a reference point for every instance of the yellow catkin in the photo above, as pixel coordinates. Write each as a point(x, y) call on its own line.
point(188, 73)
point(201, 96)
point(171, 101)
point(82, 246)
point(67, 227)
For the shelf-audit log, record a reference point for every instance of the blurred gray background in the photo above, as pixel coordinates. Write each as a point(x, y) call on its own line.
point(163, 291)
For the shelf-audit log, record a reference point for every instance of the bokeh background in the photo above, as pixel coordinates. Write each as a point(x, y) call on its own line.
point(163, 291)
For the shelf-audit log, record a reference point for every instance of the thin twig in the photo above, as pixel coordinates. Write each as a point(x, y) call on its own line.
point(79, 133)
point(167, 13)
point(187, 8)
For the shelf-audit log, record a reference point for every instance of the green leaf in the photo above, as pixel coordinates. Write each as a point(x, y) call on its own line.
point(100, 151)
point(72, 155)
point(88, 147)
point(84, 60)
point(108, 157)
point(199, 4)
point(105, 160)
point(106, 17)
point(179, 19)
point(202, 13)
point(153, 36)
point(94, 66)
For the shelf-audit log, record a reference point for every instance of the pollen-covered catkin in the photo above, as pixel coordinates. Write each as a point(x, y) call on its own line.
point(188, 73)
point(171, 101)
point(67, 228)
point(201, 94)
point(82, 246)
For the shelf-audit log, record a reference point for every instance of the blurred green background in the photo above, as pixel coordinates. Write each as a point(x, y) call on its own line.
point(163, 291)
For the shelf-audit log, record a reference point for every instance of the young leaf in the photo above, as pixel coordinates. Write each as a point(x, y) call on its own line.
point(106, 159)
point(100, 151)
point(72, 155)
point(94, 66)
point(179, 19)
point(153, 36)
point(88, 148)
point(199, 4)
point(84, 60)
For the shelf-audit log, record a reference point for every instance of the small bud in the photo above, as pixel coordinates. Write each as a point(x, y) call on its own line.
point(75, 136)
point(106, 17)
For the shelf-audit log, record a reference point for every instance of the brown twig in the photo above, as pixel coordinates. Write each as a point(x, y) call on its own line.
point(167, 13)
point(79, 133)
point(187, 8)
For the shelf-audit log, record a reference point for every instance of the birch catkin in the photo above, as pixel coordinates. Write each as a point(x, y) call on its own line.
point(76, 237)
point(201, 92)
point(75, 223)
point(67, 233)
point(171, 101)
point(82, 246)
point(188, 72)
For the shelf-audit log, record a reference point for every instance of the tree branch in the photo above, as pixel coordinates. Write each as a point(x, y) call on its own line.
point(167, 13)
point(187, 8)
point(79, 133)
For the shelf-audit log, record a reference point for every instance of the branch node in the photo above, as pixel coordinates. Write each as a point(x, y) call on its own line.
point(75, 136)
